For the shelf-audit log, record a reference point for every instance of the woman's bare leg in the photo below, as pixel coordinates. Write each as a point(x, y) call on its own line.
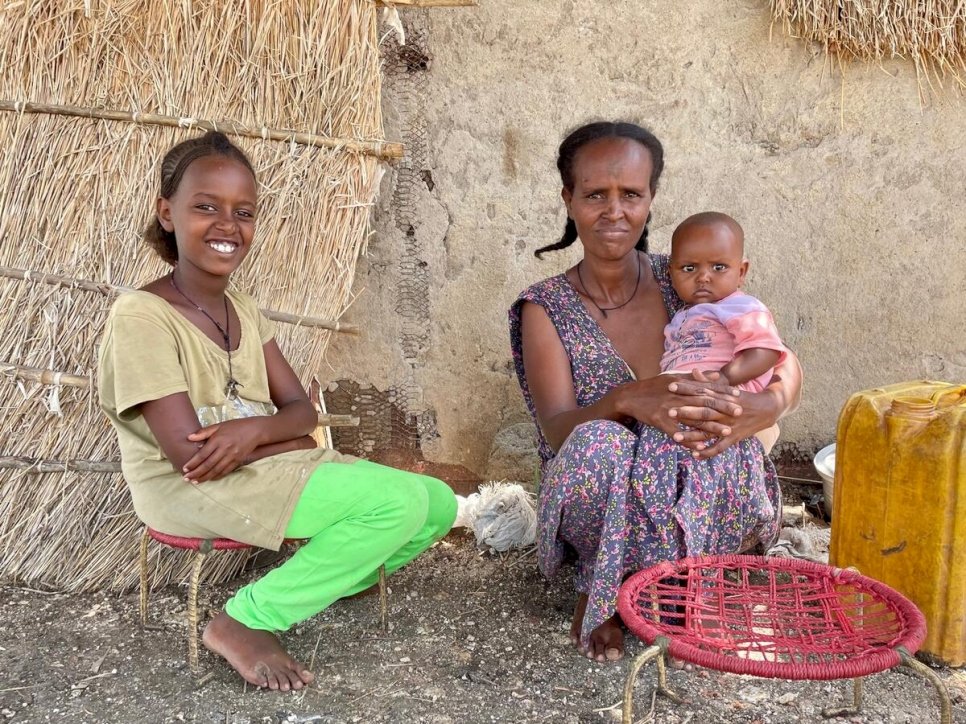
point(606, 641)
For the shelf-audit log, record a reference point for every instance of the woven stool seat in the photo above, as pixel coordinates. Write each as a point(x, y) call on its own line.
point(194, 544)
point(770, 617)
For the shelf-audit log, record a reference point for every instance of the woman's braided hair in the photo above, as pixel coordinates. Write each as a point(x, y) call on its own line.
point(579, 138)
point(175, 163)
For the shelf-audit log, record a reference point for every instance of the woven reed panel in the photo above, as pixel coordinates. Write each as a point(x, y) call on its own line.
point(932, 33)
point(76, 193)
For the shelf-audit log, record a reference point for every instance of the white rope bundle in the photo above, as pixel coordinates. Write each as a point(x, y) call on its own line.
point(502, 516)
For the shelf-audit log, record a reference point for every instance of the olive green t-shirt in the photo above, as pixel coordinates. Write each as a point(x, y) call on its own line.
point(150, 351)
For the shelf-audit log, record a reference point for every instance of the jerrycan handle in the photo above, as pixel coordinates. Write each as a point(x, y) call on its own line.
point(953, 396)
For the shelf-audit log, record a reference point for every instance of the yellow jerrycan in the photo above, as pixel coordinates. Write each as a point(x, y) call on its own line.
point(899, 502)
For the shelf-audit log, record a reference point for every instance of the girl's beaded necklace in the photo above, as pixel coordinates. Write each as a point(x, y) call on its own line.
point(231, 387)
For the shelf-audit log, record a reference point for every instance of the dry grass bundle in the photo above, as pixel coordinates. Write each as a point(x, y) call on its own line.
point(930, 32)
point(76, 193)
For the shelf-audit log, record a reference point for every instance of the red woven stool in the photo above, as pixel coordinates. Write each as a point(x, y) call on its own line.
point(772, 617)
point(202, 547)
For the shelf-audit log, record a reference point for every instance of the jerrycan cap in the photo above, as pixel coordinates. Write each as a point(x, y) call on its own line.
point(915, 407)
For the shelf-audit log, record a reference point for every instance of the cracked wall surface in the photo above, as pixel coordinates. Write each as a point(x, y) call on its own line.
point(850, 193)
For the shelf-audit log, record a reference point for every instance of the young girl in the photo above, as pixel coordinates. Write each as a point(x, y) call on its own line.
point(214, 425)
point(721, 329)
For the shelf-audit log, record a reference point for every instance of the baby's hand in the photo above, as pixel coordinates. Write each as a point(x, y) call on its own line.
point(720, 376)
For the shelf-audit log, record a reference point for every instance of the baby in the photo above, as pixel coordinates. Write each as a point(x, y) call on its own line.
point(721, 328)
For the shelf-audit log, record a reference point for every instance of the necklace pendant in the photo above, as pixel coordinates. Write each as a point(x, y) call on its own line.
point(231, 388)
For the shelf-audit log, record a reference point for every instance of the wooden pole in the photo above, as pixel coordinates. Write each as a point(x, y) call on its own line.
point(37, 465)
point(44, 377)
point(111, 289)
point(53, 377)
point(327, 420)
point(40, 465)
point(385, 150)
point(429, 3)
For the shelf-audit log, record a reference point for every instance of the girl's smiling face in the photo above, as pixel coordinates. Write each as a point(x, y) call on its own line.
point(212, 214)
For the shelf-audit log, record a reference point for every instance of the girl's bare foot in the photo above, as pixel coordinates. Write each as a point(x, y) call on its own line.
point(256, 655)
point(606, 641)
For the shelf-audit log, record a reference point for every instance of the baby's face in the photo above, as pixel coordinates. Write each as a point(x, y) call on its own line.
point(707, 263)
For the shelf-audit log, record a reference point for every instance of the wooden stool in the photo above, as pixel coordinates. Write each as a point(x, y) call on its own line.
point(780, 618)
point(202, 547)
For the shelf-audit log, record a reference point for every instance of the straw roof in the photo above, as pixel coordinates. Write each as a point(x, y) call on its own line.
point(930, 32)
point(92, 92)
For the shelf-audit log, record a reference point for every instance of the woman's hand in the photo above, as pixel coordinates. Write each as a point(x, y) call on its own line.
point(691, 409)
point(224, 447)
point(710, 409)
point(759, 411)
point(753, 412)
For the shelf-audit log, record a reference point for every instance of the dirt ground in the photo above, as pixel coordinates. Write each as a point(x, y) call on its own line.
point(474, 637)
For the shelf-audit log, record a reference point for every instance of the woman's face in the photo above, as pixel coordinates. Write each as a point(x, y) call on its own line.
point(611, 197)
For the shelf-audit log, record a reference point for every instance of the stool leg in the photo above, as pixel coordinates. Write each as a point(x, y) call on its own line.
point(945, 706)
point(856, 683)
point(143, 577)
point(193, 613)
point(650, 653)
point(848, 710)
point(383, 600)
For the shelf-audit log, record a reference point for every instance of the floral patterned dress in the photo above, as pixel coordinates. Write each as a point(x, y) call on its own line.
point(625, 499)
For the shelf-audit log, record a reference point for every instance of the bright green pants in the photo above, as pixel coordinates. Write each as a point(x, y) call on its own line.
point(356, 517)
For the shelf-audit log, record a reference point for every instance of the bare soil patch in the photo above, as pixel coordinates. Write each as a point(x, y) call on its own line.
point(474, 638)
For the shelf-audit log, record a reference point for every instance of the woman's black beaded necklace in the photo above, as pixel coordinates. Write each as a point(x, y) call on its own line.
point(604, 310)
point(231, 387)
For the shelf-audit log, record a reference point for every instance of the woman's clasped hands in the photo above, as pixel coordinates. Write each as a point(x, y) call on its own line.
point(700, 410)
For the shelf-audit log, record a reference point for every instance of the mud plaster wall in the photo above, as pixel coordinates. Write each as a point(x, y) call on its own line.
point(851, 195)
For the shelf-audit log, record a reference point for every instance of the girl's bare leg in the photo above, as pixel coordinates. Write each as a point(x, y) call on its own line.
point(256, 655)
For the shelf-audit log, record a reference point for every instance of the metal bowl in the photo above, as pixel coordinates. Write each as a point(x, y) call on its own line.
point(824, 462)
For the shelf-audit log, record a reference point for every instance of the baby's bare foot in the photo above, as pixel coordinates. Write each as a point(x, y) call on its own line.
point(256, 655)
point(606, 641)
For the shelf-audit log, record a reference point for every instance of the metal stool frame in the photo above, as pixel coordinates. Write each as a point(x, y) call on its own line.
point(772, 617)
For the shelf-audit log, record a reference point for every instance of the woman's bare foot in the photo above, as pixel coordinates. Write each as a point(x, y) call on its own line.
point(606, 641)
point(256, 655)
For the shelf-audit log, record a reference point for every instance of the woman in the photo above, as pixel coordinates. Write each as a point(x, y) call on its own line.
point(636, 468)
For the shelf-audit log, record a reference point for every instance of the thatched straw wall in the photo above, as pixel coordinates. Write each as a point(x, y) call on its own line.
point(76, 192)
point(930, 32)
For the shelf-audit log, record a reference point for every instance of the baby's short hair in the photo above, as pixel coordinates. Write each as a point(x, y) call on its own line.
point(710, 218)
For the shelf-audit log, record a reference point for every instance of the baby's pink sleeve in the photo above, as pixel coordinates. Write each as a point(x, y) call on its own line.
point(755, 329)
